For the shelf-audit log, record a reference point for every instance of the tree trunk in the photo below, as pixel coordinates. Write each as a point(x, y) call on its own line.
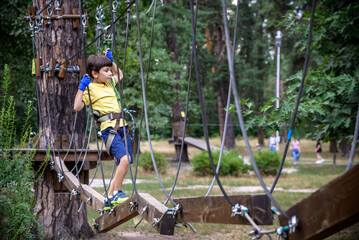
point(345, 147)
point(333, 149)
point(222, 89)
point(177, 107)
point(56, 211)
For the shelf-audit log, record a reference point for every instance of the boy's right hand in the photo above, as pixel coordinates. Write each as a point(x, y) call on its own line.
point(85, 81)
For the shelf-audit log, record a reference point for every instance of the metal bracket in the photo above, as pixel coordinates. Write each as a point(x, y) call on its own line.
point(239, 210)
point(293, 223)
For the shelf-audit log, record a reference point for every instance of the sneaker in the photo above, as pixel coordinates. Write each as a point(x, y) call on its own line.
point(119, 197)
point(108, 205)
point(319, 161)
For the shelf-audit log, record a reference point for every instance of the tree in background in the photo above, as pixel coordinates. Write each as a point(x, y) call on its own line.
point(16, 52)
point(330, 99)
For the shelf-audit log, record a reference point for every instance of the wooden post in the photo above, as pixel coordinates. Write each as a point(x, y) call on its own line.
point(75, 22)
point(332, 208)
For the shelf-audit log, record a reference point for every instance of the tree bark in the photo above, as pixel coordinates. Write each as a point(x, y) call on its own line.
point(56, 210)
point(345, 147)
point(222, 89)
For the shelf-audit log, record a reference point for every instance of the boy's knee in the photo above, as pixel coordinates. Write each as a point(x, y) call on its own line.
point(124, 161)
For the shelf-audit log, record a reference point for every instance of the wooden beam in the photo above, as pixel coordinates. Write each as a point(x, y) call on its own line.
point(216, 209)
point(87, 194)
point(120, 214)
point(123, 213)
point(155, 209)
point(198, 143)
point(91, 156)
point(332, 208)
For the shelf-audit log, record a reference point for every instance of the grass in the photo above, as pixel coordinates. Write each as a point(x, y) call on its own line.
point(307, 177)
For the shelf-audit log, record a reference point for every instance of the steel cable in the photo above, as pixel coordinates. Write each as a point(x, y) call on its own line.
point(298, 96)
point(205, 129)
point(145, 104)
point(355, 138)
point(239, 111)
point(228, 103)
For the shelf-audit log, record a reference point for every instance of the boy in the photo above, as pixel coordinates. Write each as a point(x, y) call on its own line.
point(104, 101)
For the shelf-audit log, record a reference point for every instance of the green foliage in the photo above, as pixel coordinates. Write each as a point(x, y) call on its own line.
point(17, 200)
point(267, 161)
point(145, 161)
point(17, 53)
point(231, 164)
point(330, 97)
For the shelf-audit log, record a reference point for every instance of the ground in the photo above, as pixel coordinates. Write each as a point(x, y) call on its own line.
point(351, 233)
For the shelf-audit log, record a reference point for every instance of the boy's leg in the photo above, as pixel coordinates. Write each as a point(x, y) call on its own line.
point(120, 174)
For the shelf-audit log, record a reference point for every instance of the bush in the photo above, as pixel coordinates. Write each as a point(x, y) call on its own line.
point(145, 161)
point(231, 164)
point(17, 200)
point(267, 161)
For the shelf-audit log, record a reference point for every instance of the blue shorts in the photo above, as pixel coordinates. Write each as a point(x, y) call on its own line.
point(118, 147)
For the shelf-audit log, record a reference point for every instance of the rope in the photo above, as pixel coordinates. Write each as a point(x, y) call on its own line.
point(129, 112)
point(186, 114)
point(228, 103)
point(355, 138)
point(239, 111)
point(145, 104)
point(94, 40)
point(205, 129)
point(113, 26)
point(298, 97)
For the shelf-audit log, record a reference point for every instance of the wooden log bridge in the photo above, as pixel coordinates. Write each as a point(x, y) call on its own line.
point(211, 209)
point(330, 209)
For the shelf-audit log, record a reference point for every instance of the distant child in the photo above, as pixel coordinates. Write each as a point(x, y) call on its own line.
point(103, 98)
point(318, 150)
point(295, 150)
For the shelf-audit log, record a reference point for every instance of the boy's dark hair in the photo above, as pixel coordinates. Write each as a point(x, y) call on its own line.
point(96, 62)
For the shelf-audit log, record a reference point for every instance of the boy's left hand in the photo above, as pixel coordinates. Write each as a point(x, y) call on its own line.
point(108, 54)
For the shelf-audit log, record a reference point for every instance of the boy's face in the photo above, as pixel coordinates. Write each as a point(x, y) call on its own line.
point(104, 75)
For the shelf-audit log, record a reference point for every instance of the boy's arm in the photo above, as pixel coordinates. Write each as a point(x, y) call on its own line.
point(114, 72)
point(78, 103)
point(114, 66)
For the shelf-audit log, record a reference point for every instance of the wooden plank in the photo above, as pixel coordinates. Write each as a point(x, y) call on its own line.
point(123, 213)
point(216, 209)
point(92, 154)
point(332, 208)
point(198, 143)
point(120, 214)
point(87, 194)
point(155, 209)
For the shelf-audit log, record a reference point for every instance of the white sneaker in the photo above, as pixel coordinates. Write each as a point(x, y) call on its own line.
point(319, 161)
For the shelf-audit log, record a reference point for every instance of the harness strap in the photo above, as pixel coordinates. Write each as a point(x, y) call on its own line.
point(110, 138)
point(110, 116)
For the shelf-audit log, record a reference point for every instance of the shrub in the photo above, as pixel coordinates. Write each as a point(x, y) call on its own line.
point(267, 161)
point(145, 161)
point(17, 200)
point(231, 164)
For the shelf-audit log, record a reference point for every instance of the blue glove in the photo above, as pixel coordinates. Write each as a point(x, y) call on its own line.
point(109, 54)
point(85, 81)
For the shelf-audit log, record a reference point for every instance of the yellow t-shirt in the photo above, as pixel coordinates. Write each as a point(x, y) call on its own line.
point(103, 99)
